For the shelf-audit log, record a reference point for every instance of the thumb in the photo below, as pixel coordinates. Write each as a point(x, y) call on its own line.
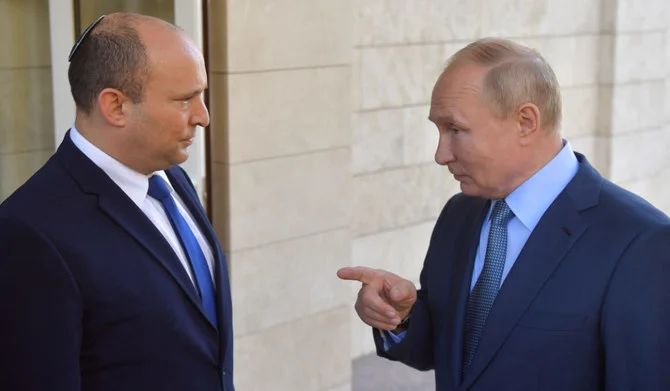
point(399, 292)
point(402, 294)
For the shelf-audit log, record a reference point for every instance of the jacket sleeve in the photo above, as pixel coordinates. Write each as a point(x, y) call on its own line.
point(416, 347)
point(636, 316)
point(40, 306)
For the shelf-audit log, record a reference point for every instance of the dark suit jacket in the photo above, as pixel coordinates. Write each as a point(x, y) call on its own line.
point(585, 307)
point(93, 298)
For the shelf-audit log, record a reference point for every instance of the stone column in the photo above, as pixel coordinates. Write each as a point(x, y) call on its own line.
point(635, 86)
point(281, 113)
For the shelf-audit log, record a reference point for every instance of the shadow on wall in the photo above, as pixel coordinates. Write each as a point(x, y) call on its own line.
point(371, 373)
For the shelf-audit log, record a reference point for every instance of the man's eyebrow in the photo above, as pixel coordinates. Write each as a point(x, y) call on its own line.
point(193, 93)
point(442, 119)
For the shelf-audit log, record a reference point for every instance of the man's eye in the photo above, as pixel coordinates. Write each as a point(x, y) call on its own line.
point(455, 130)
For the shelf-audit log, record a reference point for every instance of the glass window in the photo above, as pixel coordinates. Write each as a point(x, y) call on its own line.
point(89, 10)
point(26, 106)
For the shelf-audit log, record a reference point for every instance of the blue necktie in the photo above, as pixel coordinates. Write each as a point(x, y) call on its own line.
point(159, 190)
point(485, 290)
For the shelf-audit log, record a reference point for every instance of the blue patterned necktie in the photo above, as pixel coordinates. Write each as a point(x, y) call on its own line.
point(158, 189)
point(485, 290)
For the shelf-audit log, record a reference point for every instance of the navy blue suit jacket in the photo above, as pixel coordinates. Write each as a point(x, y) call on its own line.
point(585, 307)
point(93, 298)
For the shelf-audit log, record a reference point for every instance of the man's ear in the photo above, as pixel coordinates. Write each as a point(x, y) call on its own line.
point(528, 119)
point(113, 106)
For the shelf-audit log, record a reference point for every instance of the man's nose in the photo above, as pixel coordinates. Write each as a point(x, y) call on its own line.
point(444, 153)
point(201, 114)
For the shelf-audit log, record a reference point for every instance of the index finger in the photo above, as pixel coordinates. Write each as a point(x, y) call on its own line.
point(357, 273)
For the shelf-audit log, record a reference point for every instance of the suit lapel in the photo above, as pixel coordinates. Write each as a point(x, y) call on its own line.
point(133, 221)
point(458, 288)
point(113, 202)
point(558, 230)
point(192, 202)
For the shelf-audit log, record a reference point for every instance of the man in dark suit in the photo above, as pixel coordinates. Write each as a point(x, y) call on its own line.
point(541, 275)
point(111, 277)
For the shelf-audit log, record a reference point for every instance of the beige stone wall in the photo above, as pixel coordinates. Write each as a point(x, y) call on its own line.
point(26, 110)
point(323, 156)
point(281, 132)
point(639, 89)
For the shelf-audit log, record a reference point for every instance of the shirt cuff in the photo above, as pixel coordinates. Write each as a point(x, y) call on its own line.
point(390, 339)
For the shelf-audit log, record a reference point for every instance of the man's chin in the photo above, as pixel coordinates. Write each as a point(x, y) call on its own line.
point(181, 157)
point(470, 190)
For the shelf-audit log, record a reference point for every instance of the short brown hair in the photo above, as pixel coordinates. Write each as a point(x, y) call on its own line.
point(112, 56)
point(516, 75)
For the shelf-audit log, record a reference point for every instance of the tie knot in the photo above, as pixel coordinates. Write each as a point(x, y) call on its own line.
point(158, 189)
point(501, 213)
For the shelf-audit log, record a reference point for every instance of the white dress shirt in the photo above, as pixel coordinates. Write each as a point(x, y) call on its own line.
point(136, 185)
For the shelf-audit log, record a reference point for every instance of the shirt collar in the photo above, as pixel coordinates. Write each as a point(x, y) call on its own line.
point(133, 183)
point(532, 199)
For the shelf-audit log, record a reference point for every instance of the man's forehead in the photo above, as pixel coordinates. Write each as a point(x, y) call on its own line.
point(464, 76)
point(454, 88)
point(174, 50)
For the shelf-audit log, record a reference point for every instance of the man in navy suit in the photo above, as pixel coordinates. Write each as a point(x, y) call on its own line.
point(111, 276)
point(541, 275)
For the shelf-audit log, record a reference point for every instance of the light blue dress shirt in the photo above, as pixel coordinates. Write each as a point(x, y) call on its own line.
point(528, 202)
